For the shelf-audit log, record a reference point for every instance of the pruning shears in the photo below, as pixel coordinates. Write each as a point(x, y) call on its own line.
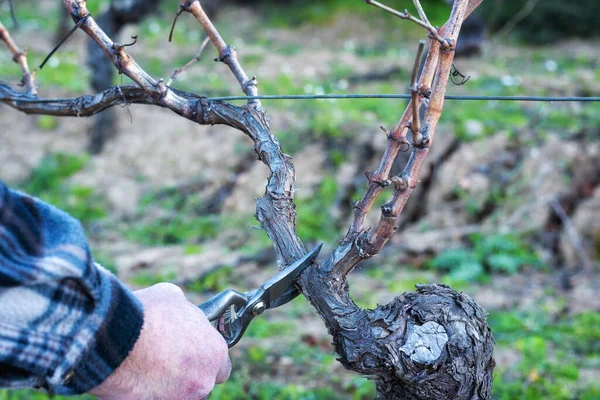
point(231, 311)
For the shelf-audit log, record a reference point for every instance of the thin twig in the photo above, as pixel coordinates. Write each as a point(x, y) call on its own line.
point(227, 54)
point(20, 57)
point(421, 12)
point(192, 61)
point(64, 39)
point(416, 103)
point(406, 15)
point(367, 242)
point(174, 23)
point(126, 65)
point(396, 143)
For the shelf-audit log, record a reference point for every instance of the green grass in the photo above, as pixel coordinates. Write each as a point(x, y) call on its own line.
point(253, 379)
point(552, 355)
point(49, 182)
point(27, 394)
point(185, 222)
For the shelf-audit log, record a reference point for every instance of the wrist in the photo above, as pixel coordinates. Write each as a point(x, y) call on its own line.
point(112, 343)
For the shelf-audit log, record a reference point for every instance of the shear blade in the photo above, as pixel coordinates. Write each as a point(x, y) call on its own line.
point(280, 288)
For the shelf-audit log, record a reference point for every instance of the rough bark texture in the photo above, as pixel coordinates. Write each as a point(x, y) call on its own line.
point(432, 344)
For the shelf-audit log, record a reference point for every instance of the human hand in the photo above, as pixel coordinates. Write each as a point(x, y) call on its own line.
point(179, 354)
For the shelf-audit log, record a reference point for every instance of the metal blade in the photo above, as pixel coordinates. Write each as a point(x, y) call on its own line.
point(285, 298)
point(280, 283)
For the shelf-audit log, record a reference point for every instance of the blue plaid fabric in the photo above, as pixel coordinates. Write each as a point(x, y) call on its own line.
point(66, 323)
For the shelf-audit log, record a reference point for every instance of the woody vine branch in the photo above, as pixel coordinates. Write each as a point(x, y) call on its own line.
point(361, 347)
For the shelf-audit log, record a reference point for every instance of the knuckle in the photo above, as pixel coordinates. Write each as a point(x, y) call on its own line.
point(168, 288)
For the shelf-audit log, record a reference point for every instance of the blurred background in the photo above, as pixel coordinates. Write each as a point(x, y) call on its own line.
point(508, 208)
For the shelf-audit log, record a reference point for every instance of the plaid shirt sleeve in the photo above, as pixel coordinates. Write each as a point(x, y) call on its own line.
point(66, 323)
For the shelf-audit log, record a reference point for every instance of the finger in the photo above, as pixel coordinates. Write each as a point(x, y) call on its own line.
point(224, 371)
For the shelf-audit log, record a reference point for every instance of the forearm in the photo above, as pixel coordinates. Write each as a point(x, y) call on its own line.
point(65, 323)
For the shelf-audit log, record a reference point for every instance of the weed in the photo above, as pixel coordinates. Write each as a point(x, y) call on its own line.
point(96, 7)
point(581, 333)
point(282, 84)
point(468, 125)
point(155, 66)
point(489, 254)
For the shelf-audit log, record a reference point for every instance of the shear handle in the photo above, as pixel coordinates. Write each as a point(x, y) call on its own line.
point(216, 306)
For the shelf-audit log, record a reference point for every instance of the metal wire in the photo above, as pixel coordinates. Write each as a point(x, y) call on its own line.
point(350, 96)
point(406, 96)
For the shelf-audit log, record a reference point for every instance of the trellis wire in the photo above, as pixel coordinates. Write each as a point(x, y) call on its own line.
point(584, 99)
point(407, 96)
